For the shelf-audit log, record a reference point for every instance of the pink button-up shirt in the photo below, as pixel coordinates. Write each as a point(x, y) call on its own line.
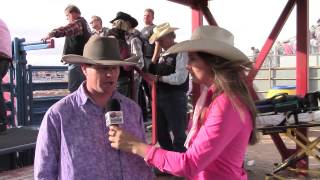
point(218, 149)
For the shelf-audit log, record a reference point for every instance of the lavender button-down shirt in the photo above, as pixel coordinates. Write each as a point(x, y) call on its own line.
point(73, 144)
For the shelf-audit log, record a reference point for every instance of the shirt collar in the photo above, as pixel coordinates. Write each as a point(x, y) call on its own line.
point(84, 97)
point(82, 94)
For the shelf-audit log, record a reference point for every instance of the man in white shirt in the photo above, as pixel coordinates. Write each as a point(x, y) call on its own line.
point(171, 76)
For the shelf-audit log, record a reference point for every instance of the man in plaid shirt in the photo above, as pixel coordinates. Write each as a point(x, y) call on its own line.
point(77, 33)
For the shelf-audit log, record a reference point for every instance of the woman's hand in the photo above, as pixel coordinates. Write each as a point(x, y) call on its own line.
point(124, 141)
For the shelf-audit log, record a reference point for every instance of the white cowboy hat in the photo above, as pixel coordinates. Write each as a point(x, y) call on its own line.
point(213, 40)
point(101, 51)
point(161, 30)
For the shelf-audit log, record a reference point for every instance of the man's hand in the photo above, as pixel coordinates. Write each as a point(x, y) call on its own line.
point(156, 53)
point(46, 38)
point(150, 78)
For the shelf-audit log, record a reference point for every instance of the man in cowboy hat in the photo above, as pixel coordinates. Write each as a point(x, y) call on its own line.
point(77, 33)
point(172, 84)
point(72, 142)
point(121, 24)
point(124, 21)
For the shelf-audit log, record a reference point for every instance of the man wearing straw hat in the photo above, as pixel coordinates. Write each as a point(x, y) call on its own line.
point(72, 142)
point(172, 84)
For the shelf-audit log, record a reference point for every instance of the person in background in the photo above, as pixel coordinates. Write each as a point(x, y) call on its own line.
point(315, 38)
point(135, 43)
point(97, 28)
point(77, 33)
point(255, 53)
point(144, 97)
point(72, 142)
point(133, 39)
point(223, 122)
point(146, 33)
point(121, 25)
point(171, 76)
point(5, 61)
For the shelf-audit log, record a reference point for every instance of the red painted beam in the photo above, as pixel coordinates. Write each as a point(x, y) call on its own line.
point(207, 14)
point(154, 113)
point(197, 19)
point(302, 47)
point(271, 39)
point(192, 3)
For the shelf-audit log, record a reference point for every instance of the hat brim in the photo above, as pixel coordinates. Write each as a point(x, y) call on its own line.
point(77, 59)
point(217, 48)
point(156, 36)
point(133, 21)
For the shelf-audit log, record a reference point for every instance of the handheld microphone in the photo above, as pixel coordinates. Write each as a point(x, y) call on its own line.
point(113, 115)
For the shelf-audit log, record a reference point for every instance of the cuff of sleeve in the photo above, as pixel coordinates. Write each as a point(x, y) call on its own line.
point(150, 153)
point(164, 79)
point(52, 34)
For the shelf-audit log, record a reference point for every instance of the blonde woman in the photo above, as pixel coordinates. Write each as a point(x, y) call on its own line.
point(224, 116)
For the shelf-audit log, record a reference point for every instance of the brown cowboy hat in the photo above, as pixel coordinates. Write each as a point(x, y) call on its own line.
point(101, 51)
point(213, 40)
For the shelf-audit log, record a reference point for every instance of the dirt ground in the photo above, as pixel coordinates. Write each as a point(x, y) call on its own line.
point(264, 154)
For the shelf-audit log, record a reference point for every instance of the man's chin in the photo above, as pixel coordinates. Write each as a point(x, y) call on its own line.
point(107, 88)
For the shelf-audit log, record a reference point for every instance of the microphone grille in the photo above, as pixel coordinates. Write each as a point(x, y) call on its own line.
point(113, 105)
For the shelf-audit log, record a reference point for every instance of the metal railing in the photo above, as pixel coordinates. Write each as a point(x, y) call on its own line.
point(21, 85)
point(38, 105)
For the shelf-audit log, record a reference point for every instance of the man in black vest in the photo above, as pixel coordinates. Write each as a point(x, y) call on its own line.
point(171, 76)
point(77, 33)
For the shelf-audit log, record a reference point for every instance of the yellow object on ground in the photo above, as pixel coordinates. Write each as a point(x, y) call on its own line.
point(291, 90)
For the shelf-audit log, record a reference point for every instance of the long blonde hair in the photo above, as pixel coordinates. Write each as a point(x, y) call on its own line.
point(230, 78)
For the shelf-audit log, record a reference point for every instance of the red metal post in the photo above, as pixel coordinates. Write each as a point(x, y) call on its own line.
point(302, 47)
point(272, 37)
point(191, 3)
point(302, 53)
point(197, 20)
point(154, 113)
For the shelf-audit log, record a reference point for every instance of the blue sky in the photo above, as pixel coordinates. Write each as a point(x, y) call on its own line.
point(249, 20)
